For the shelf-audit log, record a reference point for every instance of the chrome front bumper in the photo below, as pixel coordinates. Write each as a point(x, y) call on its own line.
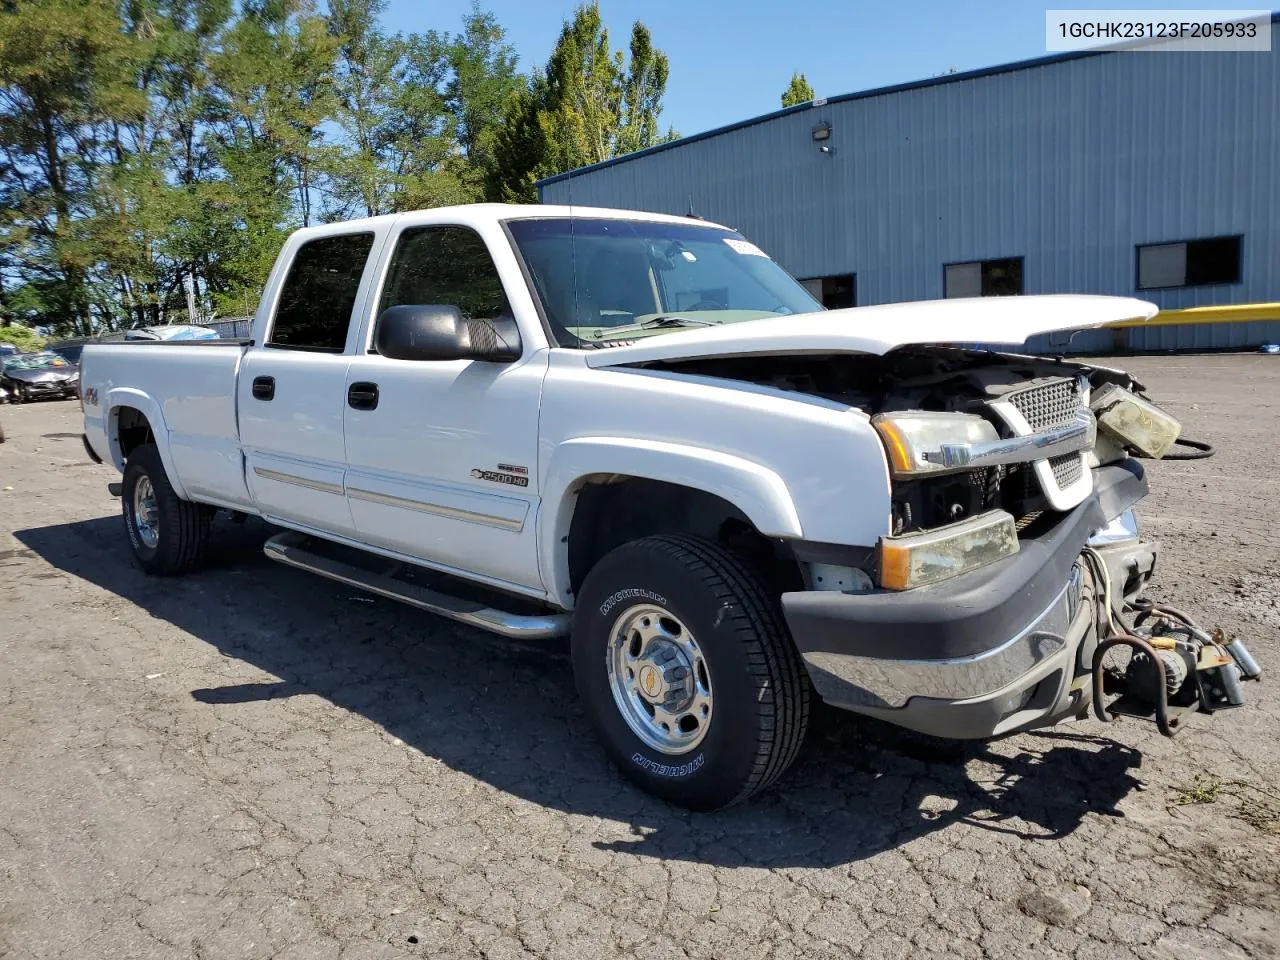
point(1003, 648)
point(877, 682)
point(1035, 678)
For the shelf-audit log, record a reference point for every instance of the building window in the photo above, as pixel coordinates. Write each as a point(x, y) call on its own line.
point(983, 278)
point(835, 292)
point(1190, 263)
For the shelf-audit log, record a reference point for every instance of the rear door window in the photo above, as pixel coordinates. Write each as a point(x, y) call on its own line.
point(319, 293)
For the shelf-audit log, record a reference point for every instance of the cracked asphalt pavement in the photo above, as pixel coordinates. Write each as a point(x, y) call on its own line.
point(252, 762)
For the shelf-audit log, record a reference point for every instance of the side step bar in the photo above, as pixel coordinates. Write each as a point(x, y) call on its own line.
point(291, 548)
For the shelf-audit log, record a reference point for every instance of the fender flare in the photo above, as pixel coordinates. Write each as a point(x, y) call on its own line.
point(143, 402)
point(754, 489)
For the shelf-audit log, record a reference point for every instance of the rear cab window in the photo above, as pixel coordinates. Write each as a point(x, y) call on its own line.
point(318, 296)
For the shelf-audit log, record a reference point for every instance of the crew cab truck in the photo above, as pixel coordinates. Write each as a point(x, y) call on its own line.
point(638, 431)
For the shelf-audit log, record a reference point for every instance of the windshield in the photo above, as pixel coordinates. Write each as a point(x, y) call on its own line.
point(36, 361)
point(605, 281)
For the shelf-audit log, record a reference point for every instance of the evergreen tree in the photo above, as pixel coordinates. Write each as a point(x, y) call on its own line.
point(588, 105)
point(798, 91)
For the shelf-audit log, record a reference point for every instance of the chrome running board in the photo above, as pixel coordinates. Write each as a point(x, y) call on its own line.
point(293, 549)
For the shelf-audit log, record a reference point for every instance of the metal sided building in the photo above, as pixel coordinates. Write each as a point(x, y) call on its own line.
point(1134, 173)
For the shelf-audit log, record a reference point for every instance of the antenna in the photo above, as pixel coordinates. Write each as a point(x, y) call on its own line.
point(691, 215)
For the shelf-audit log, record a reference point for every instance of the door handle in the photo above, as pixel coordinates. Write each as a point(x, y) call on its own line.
point(362, 396)
point(264, 388)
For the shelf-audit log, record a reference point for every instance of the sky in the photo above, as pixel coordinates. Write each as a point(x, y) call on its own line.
point(731, 60)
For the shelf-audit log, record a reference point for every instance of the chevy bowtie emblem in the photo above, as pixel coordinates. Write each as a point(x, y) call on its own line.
point(649, 680)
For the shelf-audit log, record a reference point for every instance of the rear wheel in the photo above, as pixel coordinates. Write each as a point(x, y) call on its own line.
point(168, 534)
point(687, 671)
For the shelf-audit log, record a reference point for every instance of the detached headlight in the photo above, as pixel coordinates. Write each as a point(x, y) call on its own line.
point(1135, 422)
point(946, 552)
point(917, 441)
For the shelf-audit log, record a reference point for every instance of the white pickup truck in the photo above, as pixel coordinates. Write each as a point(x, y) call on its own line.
point(638, 431)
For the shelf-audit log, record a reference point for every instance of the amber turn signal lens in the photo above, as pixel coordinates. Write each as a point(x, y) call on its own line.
point(912, 438)
point(935, 555)
point(895, 446)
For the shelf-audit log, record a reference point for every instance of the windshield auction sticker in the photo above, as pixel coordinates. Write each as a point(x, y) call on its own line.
point(1158, 31)
point(745, 247)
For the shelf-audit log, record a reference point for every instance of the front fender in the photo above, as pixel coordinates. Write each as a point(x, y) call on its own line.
point(118, 397)
point(754, 489)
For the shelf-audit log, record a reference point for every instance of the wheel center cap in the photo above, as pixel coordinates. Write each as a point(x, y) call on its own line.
point(665, 677)
point(651, 681)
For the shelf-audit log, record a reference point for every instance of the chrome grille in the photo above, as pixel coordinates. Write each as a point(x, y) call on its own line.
point(1043, 405)
point(1048, 404)
point(1066, 469)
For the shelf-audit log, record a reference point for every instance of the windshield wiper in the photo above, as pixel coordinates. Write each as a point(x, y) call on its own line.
point(666, 320)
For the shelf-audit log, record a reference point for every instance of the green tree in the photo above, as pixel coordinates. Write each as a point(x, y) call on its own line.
point(365, 82)
point(271, 94)
point(66, 74)
point(149, 207)
point(521, 145)
point(148, 145)
point(482, 78)
point(798, 91)
point(590, 104)
point(643, 87)
point(417, 111)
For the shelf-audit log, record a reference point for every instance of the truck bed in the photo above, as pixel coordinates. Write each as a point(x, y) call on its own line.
point(186, 389)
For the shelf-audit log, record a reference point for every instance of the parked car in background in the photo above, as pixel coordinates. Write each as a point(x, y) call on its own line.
point(38, 376)
point(8, 350)
point(173, 331)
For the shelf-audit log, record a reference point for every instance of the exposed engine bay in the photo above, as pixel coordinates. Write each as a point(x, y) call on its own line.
point(1018, 395)
point(917, 377)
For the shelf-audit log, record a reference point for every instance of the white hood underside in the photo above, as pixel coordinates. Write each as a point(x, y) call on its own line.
point(995, 320)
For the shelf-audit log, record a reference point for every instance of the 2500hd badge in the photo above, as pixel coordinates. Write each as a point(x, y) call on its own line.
point(500, 476)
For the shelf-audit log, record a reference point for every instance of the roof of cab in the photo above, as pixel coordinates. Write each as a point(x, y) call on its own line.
point(473, 212)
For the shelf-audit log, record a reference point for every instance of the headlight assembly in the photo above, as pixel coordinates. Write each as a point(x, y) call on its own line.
point(916, 440)
point(1135, 422)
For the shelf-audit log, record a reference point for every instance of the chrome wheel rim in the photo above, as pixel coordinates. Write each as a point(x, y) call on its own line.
point(660, 679)
point(146, 518)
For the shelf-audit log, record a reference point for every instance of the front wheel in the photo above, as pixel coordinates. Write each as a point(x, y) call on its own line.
point(168, 534)
point(687, 671)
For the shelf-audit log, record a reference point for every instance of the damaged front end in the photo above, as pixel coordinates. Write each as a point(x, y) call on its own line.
point(1012, 571)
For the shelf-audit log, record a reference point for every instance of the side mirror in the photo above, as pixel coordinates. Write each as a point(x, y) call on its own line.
point(435, 332)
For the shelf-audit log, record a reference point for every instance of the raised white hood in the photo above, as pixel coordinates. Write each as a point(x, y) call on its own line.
point(995, 320)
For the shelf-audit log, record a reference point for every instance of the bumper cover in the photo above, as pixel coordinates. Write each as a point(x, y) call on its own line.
point(49, 388)
point(986, 653)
